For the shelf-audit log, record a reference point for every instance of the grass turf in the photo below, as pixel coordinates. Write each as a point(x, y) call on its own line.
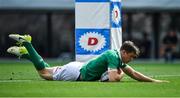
point(19, 79)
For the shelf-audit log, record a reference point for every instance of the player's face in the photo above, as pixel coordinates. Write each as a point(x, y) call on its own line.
point(127, 57)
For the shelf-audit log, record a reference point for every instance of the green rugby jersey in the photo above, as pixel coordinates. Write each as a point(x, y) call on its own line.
point(96, 67)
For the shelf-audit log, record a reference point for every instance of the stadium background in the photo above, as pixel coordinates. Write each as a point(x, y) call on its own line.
point(51, 24)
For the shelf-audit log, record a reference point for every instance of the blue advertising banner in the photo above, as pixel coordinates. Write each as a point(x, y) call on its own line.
point(97, 27)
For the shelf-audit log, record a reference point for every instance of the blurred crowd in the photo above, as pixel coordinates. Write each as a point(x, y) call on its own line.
point(156, 34)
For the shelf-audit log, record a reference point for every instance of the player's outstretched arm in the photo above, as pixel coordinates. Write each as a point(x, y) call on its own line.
point(139, 76)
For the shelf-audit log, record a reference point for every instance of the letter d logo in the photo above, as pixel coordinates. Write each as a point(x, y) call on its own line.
point(92, 41)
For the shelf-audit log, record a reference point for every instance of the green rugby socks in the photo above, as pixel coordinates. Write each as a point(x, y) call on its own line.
point(34, 57)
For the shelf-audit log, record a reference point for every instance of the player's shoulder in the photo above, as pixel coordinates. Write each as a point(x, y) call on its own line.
point(111, 53)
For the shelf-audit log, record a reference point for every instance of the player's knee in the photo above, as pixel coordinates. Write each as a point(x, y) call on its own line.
point(45, 74)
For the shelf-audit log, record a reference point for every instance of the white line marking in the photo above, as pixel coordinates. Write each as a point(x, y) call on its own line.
point(156, 76)
point(160, 76)
point(165, 76)
point(1, 81)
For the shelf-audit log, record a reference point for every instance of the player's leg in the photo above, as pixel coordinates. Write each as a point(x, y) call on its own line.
point(36, 59)
point(22, 52)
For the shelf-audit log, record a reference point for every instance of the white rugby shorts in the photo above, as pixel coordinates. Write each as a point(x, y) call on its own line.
point(68, 72)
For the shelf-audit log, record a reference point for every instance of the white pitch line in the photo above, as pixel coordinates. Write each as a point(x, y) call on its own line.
point(160, 76)
point(166, 76)
point(15, 80)
point(157, 76)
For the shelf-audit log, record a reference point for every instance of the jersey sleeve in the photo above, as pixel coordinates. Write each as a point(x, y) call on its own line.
point(112, 60)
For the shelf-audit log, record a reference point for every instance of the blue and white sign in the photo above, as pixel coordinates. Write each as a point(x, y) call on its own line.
point(92, 41)
point(97, 27)
point(115, 14)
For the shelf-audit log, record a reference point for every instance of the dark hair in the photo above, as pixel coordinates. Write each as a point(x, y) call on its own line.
point(130, 47)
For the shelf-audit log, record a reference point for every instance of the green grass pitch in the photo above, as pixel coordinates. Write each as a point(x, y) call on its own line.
point(20, 79)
